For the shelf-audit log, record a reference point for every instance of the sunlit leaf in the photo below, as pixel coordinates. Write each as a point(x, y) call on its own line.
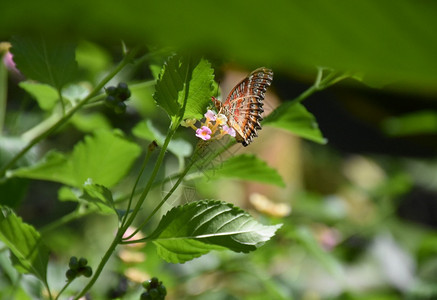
point(178, 74)
point(89, 122)
point(247, 167)
point(51, 62)
point(44, 94)
point(294, 117)
point(191, 230)
point(104, 157)
point(30, 254)
point(53, 167)
point(201, 87)
point(99, 196)
point(168, 89)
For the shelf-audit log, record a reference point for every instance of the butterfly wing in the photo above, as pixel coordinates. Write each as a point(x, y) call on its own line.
point(244, 105)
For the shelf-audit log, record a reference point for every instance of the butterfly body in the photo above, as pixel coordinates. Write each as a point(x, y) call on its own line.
point(244, 105)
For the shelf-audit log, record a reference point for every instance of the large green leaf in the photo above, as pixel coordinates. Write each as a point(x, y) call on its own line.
point(178, 74)
point(30, 254)
point(294, 117)
point(105, 158)
point(191, 230)
point(389, 41)
point(201, 88)
point(247, 167)
point(47, 61)
point(170, 85)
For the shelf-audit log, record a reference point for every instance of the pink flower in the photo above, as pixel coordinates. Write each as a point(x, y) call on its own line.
point(221, 119)
point(204, 133)
point(229, 130)
point(210, 115)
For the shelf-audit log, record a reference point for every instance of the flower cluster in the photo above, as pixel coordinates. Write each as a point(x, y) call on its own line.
point(214, 127)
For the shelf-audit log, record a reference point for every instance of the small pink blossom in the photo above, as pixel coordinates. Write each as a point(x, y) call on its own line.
point(210, 115)
point(204, 133)
point(221, 119)
point(229, 130)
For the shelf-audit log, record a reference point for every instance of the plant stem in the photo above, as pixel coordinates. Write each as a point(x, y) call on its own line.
point(63, 289)
point(66, 219)
point(127, 59)
point(134, 213)
point(143, 167)
point(3, 92)
point(174, 187)
point(321, 83)
point(121, 231)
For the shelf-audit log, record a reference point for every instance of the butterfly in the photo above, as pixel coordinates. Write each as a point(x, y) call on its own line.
point(244, 105)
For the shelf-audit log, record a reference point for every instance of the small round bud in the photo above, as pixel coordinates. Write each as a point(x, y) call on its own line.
point(154, 293)
point(111, 101)
point(162, 290)
point(87, 272)
point(112, 90)
point(83, 262)
point(71, 274)
point(122, 86)
point(120, 108)
point(154, 282)
point(73, 263)
point(146, 284)
point(146, 296)
point(124, 95)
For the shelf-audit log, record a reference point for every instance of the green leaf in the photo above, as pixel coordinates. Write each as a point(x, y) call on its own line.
point(419, 122)
point(294, 117)
point(51, 62)
point(397, 43)
point(99, 196)
point(89, 122)
point(92, 58)
point(170, 85)
point(53, 167)
point(30, 254)
point(44, 94)
point(105, 157)
point(191, 230)
point(145, 130)
point(247, 167)
point(201, 90)
point(179, 73)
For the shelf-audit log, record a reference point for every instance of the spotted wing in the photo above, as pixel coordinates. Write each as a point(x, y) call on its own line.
point(244, 105)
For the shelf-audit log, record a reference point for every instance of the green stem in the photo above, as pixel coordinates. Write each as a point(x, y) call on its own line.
point(63, 289)
point(65, 219)
point(175, 186)
point(100, 267)
point(121, 231)
point(321, 83)
point(134, 213)
point(70, 113)
point(143, 167)
point(61, 99)
point(3, 92)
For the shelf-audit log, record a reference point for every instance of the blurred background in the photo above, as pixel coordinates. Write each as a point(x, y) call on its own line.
point(359, 213)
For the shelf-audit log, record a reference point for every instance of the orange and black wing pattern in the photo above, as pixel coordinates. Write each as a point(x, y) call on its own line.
point(244, 105)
